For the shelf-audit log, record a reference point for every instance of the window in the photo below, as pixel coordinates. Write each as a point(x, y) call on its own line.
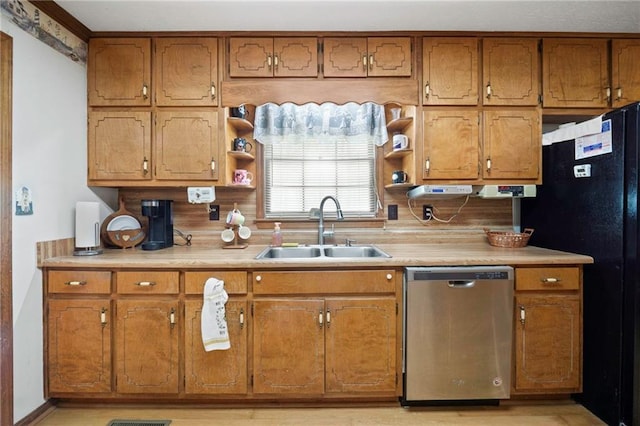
point(299, 172)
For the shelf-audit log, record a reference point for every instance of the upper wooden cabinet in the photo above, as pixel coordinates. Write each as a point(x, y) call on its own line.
point(575, 72)
point(367, 57)
point(185, 71)
point(119, 72)
point(455, 149)
point(512, 148)
point(273, 57)
point(625, 71)
point(450, 71)
point(511, 71)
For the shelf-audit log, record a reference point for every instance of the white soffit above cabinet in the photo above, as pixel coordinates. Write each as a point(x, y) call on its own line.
point(615, 16)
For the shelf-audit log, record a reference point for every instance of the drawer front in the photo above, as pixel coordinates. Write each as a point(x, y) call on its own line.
point(81, 282)
point(147, 282)
point(312, 282)
point(235, 282)
point(560, 278)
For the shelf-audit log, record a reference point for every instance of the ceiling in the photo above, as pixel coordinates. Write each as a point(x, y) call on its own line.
point(616, 16)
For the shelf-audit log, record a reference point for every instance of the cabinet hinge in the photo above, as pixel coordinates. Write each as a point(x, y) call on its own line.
point(251, 380)
point(540, 99)
point(397, 309)
point(252, 309)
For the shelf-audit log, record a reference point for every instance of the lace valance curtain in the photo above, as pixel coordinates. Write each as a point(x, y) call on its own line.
point(273, 123)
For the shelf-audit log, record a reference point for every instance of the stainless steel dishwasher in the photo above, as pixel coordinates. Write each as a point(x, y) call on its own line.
point(457, 334)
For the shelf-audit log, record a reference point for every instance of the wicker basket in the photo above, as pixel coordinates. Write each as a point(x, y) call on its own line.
point(509, 239)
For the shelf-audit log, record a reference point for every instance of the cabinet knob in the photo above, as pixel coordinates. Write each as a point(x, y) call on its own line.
point(389, 276)
point(258, 278)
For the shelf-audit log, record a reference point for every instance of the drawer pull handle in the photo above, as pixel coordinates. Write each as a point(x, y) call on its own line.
point(241, 319)
point(145, 283)
point(320, 319)
point(172, 317)
point(76, 283)
point(103, 316)
point(364, 62)
point(328, 318)
point(550, 280)
point(427, 90)
point(213, 91)
point(370, 62)
point(522, 314)
point(145, 91)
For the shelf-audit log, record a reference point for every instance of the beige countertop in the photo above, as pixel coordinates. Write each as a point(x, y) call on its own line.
point(441, 254)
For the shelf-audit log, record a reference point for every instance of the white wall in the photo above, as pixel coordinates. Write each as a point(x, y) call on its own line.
point(49, 157)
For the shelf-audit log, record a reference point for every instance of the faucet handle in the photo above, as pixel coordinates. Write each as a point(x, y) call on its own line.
point(349, 242)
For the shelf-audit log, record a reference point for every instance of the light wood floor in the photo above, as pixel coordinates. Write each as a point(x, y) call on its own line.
point(561, 414)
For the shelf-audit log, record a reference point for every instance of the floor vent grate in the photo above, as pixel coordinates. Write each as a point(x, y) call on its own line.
point(139, 423)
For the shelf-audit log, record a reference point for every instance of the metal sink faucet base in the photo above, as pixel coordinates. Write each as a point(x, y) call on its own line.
point(339, 216)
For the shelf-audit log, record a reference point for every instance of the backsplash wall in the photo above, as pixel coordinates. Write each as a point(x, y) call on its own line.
point(468, 224)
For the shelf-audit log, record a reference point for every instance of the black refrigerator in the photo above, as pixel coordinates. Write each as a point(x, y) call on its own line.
point(597, 215)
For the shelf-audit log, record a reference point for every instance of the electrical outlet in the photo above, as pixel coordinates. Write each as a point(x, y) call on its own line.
point(214, 212)
point(427, 212)
point(392, 212)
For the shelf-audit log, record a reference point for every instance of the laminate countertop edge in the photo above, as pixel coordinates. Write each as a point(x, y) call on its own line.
point(200, 257)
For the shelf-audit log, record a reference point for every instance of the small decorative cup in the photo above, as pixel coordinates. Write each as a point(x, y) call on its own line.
point(242, 177)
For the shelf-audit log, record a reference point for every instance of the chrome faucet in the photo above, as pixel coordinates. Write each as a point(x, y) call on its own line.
point(339, 216)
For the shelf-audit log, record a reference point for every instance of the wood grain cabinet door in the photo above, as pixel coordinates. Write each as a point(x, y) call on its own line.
point(345, 57)
point(451, 145)
point(288, 346)
point(360, 344)
point(511, 71)
point(220, 371)
point(389, 56)
point(79, 346)
point(186, 71)
point(147, 346)
point(625, 66)
point(547, 343)
point(450, 71)
point(575, 73)
point(295, 57)
point(119, 145)
point(186, 145)
point(251, 57)
point(119, 72)
point(512, 147)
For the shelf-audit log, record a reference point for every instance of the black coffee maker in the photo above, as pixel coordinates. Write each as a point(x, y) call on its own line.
point(160, 233)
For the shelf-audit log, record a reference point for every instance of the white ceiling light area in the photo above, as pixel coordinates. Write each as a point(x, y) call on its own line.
point(615, 16)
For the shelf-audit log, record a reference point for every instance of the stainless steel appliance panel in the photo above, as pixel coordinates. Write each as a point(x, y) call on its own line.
point(458, 333)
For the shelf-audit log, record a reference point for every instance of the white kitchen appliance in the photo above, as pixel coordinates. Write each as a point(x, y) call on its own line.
point(439, 191)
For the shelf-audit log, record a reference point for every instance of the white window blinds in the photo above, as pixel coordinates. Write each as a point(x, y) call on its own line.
point(299, 172)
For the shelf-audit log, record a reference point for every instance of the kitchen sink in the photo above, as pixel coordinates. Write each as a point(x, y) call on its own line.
point(318, 252)
point(290, 253)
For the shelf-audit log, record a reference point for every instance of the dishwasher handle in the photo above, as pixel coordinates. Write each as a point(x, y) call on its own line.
point(461, 283)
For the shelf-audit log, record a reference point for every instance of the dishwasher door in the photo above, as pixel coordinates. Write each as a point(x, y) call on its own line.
point(457, 333)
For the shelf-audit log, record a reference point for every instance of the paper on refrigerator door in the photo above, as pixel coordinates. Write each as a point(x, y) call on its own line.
point(593, 145)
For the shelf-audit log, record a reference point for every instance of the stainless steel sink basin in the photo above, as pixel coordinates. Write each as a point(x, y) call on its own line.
point(319, 252)
point(290, 253)
point(354, 251)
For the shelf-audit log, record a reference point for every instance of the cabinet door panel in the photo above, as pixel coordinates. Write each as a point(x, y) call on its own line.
point(343, 57)
point(451, 145)
point(79, 346)
point(119, 145)
point(216, 372)
point(288, 347)
point(119, 71)
point(389, 56)
point(186, 71)
point(625, 63)
point(147, 347)
point(251, 57)
point(575, 73)
point(547, 343)
point(295, 57)
point(450, 71)
point(361, 345)
point(511, 145)
point(511, 71)
point(175, 131)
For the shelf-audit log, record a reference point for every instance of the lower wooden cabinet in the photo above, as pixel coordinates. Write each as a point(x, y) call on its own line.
point(548, 332)
point(220, 371)
point(325, 345)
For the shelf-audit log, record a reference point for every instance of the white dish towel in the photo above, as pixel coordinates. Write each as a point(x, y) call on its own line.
point(215, 335)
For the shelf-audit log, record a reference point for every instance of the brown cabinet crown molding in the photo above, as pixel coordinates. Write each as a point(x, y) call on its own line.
point(64, 18)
